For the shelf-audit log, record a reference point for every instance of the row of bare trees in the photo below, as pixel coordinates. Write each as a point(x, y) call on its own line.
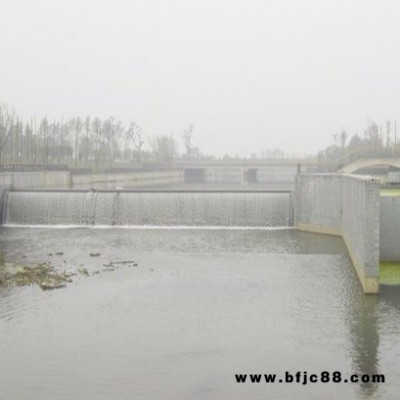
point(375, 140)
point(83, 141)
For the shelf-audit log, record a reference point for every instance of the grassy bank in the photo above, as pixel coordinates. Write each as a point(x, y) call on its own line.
point(389, 273)
point(390, 192)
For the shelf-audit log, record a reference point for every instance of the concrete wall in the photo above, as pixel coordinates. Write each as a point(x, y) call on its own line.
point(318, 204)
point(63, 180)
point(237, 173)
point(360, 227)
point(35, 180)
point(390, 228)
point(135, 179)
point(32, 180)
point(345, 205)
point(277, 173)
point(219, 174)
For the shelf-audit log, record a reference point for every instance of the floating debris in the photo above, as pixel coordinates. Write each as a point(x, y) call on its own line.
point(51, 283)
point(45, 274)
point(68, 274)
point(123, 262)
point(83, 271)
point(41, 274)
point(114, 264)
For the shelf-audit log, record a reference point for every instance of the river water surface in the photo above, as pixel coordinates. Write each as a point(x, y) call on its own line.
point(200, 306)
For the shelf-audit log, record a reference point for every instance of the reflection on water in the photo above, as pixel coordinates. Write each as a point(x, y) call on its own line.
point(201, 306)
point(364, 338)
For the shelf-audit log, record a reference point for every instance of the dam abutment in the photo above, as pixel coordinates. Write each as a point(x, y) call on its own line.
point(347, 206)
point(317, 203)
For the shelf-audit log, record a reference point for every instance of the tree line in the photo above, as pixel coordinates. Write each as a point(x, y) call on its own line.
point(376, 140)
point(84, 141)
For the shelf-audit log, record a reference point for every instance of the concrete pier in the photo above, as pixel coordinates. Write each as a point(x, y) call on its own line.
point(347, 206)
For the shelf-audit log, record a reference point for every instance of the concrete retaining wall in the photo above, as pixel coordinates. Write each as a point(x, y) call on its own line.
point(345, 205)
point(318, 203)
point(277, 174)
point(64, 180)
point(134, 179)
point(218, 174)
point(35, 180)
point(360, 227)
point(237, 174)
point(390, 228)
point(32, 180)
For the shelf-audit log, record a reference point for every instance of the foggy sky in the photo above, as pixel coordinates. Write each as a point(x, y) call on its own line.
point(250, 75)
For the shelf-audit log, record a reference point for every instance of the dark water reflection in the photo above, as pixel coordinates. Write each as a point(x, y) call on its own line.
point(201, 306)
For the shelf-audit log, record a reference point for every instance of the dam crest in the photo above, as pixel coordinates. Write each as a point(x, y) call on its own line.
point(149, 208)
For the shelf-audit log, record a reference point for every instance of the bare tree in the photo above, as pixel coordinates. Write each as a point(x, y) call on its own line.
point(28, 148)
point(134, 135)
point(87, 145)
point(164, 148)
point(97, 129)
point(112, 129)
point(78, 130)
point(44, 131)
point(7, 121)
point(388, 131)
point(343, 139)
point(187, 139)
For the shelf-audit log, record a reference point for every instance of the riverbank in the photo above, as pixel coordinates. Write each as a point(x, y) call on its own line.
point(389, 273)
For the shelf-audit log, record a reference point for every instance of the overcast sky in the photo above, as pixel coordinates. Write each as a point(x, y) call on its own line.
point(250, 75)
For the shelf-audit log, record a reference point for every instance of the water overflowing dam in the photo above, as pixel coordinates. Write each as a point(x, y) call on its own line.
point(171, 303)
point(159, 208)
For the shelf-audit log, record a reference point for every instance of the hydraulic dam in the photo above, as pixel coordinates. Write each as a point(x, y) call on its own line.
point(341, 205)
point(194, 286)
point(153, 208)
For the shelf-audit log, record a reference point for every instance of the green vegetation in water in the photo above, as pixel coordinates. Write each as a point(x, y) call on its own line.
point(42, 274)
point(390, 192)
point(389, 273)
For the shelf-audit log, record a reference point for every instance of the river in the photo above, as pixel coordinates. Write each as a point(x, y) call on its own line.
point(176, 313)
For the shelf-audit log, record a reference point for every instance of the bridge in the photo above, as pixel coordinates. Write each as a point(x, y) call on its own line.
point(248, 171)
point(368, 163)
point(248, 163)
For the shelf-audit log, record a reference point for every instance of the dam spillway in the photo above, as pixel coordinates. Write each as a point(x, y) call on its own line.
point(148, 208)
